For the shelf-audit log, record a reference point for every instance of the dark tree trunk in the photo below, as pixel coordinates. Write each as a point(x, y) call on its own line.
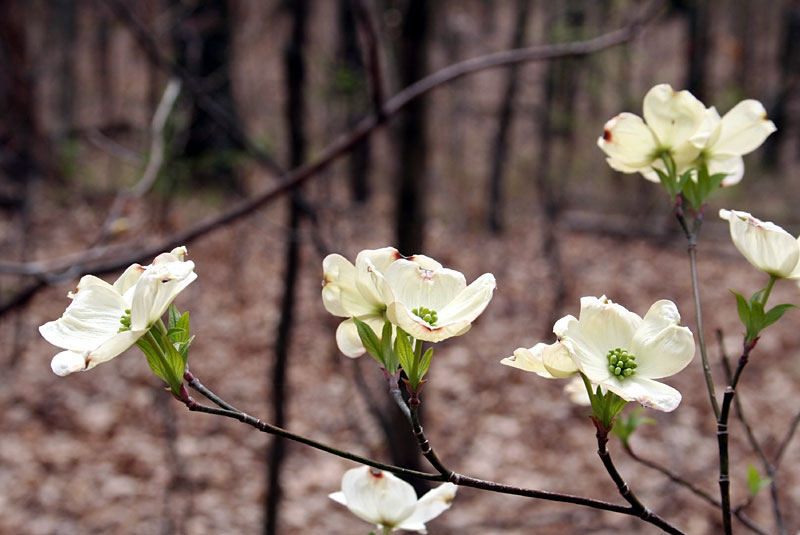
point(202, 36)
point(355, 96)
point(788, 89)
point(294, 65)
point(413, 153)
point(504, 118)
point(699, 45)
point(65, 22)
point(19, 136)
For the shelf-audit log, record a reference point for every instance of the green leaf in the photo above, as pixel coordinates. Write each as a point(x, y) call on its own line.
point(174, 316)
point(755, 481)
point(175, 334)
point(183, 348)
point(177, 367)
point(155, 362)
point(667, 182)
point(370, 340)
point(684, 178)
point(625, 427)
point(405, 354)
point(743, 307)
point(775, 314)
point(183, 323)
point(389, 357)
point(425, 362)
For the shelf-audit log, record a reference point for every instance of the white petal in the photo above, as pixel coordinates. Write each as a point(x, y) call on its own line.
point(156, 289)
point(558, 360)
point(67, 362)
point(673, 116)
point(415, 286)
point(662, 348)
point(647, 392)
point(607, 324)
point(112, 347)
point(128, 279)
point(628, 142)
point(432, 504)
point(470, 302)
point(732, 167)
point(708, 131)
point(743, 129)
point(529, 360)
point(764, 244)
point(92, 317)
point(347, 334)
point(338, 497)
point(340, 295)
point(378, 497)
point(180, 253)
point(369, 264)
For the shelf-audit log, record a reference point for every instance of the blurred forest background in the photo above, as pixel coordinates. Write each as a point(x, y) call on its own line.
point(129, 127)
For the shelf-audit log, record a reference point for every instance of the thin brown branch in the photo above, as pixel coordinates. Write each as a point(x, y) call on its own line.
point(458, 479)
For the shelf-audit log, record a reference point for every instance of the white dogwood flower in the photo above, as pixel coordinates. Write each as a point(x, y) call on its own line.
point(105, 319)
point(389, 502)
point(670, 120)
point(764, 244)
point(349, 291)
point(432, 304)
point(621, 352)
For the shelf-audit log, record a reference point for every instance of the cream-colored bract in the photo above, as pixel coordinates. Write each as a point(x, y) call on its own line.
point(764, 244)
point(349, 291)
point(89, 330)
point(551, 361)
point(661, 347)
point(678, 123)
point(389, 502)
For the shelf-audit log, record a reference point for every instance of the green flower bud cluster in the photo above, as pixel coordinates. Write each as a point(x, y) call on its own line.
point(621, 363)
point(428, 316)
point(125, 320)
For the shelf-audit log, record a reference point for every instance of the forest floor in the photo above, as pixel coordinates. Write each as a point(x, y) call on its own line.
point(109, 451)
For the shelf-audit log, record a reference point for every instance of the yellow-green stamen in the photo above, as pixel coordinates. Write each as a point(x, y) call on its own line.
point(621, 363)
point(125, 321)
point(427, 315)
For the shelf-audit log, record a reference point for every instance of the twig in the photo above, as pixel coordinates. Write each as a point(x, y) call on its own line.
point(458, 479)
point(740, 515)
point(691, 237)
point(771, 468)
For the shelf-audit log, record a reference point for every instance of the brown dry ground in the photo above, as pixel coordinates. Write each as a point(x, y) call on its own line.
point(109, 451)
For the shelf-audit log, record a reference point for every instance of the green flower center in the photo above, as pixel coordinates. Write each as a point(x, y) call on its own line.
point(125, 321)
point(427, 315)
point(621, 363)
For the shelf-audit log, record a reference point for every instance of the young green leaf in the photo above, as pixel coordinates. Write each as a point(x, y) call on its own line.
point(389, 357)
point(755, 481)
point(775, 314)
point(405, 354)
point(370, 340)
point(425, 362)
point(174, 316)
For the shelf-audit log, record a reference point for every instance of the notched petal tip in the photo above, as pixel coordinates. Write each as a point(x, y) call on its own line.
point(68, 362)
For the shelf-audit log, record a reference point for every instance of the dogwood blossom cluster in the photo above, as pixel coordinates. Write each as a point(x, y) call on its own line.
point(428, 301)
point(616, 350)
point(105, 319)
point(678, 125)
